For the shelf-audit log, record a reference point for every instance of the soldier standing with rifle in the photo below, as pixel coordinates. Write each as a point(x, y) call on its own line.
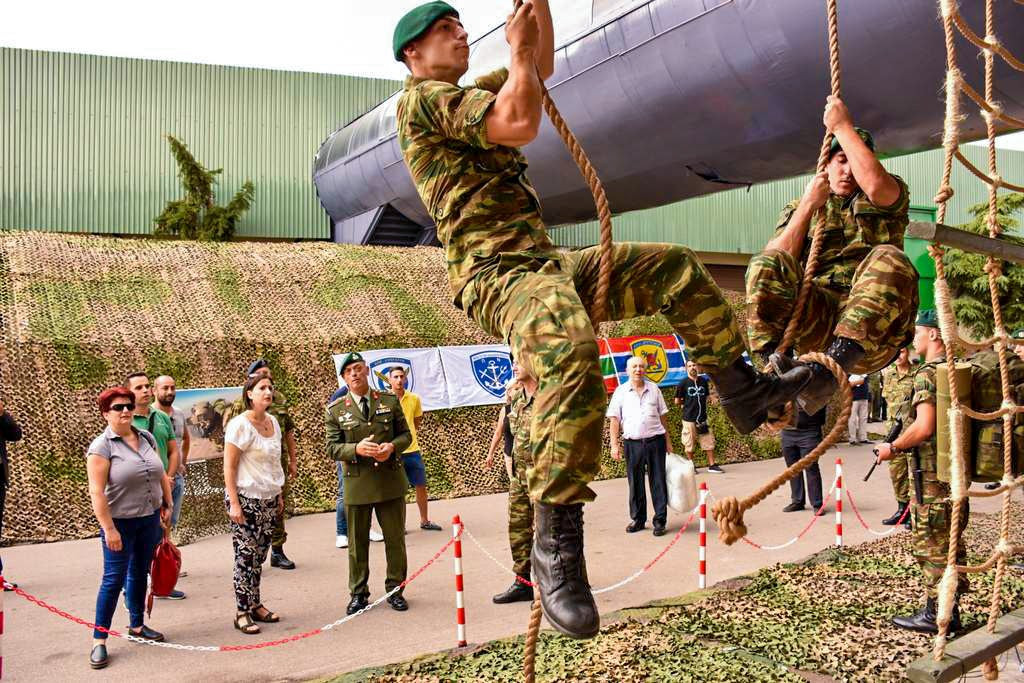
point(898, 389)
point(931, 507)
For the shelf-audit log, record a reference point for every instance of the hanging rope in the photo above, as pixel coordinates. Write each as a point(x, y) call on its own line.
point(728, 512)
point(959, 480)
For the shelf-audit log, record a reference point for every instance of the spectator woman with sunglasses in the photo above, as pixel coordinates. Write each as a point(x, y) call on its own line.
point(131, 498)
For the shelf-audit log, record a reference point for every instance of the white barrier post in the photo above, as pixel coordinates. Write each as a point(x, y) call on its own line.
point(839, 502)
point(702, 576)
point(460, 604)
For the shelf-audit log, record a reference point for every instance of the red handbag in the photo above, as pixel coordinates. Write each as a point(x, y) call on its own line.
point(163, 572)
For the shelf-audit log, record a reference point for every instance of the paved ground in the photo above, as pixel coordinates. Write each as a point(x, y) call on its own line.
point(38, 645)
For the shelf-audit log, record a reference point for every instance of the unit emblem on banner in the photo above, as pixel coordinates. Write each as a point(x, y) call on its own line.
point(492, 371)
point(380, 368)
point(653, 352)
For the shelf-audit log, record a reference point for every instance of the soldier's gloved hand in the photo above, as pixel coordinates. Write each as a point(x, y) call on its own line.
point(367, 448)
point(816, 192)
point(836, 114)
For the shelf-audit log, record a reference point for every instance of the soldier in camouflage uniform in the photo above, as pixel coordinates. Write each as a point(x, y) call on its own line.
point(863, 298)
point(931, 508)
point(898, 389)
point(460, 144)
point(279, 409)
point(520, 510)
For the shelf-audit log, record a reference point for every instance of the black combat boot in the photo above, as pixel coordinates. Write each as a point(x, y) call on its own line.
point(822, 386)
point(897, 516)
point(560, 570)
point(517, 592)
point(924, 620)
point(279, 559)
point(746, 395)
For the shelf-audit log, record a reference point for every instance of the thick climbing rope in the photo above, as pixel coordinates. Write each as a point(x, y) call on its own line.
point(728, 512)
point(959, 438)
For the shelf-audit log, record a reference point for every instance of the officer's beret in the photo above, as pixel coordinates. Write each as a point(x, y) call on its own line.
point(348, 359)
point(416, 21)
point(256, 366)
point(928, 318)
point(864, 135)
point(1018, 334)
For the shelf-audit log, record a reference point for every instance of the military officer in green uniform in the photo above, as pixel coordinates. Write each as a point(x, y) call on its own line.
point(289, 463)
point(367, 432)
point(898, 389)
point(461, 147)
point(863, 298)
point(520, 510)
point(931, 508)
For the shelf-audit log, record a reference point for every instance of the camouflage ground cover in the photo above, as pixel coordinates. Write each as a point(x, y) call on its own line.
point(78, 312)
point(825, 619)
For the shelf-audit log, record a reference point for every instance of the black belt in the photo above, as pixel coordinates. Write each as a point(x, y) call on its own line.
point(647, 440)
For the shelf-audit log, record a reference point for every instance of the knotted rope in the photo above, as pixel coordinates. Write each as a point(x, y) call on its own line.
point(728, 512)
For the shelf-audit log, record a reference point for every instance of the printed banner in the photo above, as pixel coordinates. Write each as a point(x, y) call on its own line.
point(204, 412)
point(666, 360)
point(476, 375)
point(424, 373)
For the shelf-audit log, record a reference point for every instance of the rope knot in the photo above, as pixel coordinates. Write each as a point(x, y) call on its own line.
point(1003, 548)
point(728, 514)
point(997, 180)
point(944, 194)
point(994, 268)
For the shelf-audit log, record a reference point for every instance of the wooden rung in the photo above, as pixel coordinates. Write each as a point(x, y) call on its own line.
point(968, 241)
point(968, 652)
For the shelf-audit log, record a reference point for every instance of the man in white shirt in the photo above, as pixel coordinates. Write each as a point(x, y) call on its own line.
point(637, 412)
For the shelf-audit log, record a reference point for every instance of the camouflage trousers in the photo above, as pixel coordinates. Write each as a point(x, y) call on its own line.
point(279, 535)
point(899, 477)
point(541, 309)
point(878, 312)
point(520, 522)
point(931, 525)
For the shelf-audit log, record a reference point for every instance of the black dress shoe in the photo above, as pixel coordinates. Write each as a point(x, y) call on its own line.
point(793, 507)
point(146, 633)
point(280, 560)
point(659, 531)
point(517, 592)
point(357, 603)
point(398, 603)
point(635, 527)
point(561, 570)
point(98, 658)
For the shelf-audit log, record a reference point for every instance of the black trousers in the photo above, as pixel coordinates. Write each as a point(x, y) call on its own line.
point(796, 443)
point(649, 455)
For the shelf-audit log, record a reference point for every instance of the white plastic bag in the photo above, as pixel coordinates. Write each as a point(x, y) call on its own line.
point(682, 483)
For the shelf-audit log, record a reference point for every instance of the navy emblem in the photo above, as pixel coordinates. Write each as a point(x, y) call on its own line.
point(492, 371)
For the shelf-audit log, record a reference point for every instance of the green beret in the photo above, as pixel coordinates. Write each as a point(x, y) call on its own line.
point(416, 21)
point(864, 135)
point(1018, 334)
point(349, 359)
point(928, 318)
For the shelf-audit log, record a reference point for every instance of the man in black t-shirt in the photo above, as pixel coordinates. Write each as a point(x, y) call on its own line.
point(692, 393)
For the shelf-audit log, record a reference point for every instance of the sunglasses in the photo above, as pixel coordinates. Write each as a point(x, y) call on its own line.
point(122, 407)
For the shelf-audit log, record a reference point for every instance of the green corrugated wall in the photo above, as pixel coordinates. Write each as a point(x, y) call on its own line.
point(81, 147)
point(740, 222)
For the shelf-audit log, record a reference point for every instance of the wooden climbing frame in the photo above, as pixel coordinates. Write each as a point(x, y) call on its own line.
point(947, 236)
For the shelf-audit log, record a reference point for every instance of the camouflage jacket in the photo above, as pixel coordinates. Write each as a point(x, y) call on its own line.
point(477, 192)
point(898, 389)
point(853, 226)
point(520, 410)
point(925, 391)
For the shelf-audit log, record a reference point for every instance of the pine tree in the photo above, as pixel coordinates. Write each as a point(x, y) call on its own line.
point(196, 216)
point(968, 280)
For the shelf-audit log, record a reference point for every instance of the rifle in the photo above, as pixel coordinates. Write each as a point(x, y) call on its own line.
point(894, 431)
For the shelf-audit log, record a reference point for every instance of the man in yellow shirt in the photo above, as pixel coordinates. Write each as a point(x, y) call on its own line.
point(411, 457)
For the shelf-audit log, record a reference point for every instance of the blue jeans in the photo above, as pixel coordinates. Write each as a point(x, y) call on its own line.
point(340, 521)
point(177, 493)
point(127, 568)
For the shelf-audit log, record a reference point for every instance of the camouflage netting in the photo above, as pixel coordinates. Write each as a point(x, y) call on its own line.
point(81, 312)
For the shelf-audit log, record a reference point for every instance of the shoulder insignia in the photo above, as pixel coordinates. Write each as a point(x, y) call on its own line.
point(335, 402)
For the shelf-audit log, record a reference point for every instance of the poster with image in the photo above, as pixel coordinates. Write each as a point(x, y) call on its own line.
point(207, 411)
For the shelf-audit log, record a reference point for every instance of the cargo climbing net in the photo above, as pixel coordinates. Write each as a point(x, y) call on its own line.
point(991, 112)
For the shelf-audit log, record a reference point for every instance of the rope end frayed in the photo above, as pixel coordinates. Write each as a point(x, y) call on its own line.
point(728, 514)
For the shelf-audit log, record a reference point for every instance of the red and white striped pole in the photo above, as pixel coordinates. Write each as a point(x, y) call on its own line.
point(839, 502)
point(702, 557)
point(460, 604)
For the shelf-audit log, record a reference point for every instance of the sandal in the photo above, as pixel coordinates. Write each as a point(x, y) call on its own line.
point(244, 623)
point(266, 617)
